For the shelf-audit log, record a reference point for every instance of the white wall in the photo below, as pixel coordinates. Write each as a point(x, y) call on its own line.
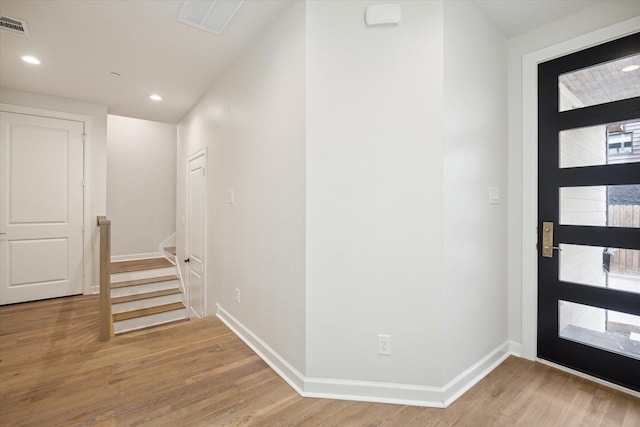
point(475, 157)
point(397, 157)
point(374, 193)
point(252, 122)
point(361, 251)
point(587, 28)
point(95, 117)
point(141, 184)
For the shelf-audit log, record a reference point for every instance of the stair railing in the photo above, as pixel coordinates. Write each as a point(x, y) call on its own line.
point(106, 320)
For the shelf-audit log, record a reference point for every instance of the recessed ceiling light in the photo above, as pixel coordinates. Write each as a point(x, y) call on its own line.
point(630, 68)
point(155, 97)
point(31, 59)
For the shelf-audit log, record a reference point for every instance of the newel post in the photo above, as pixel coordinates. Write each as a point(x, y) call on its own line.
point(106, 321)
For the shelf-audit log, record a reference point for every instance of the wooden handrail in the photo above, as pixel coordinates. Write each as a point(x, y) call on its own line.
point(106, 320)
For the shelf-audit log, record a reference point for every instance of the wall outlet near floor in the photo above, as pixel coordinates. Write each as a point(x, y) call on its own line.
point(384, 344)
point(236, 295)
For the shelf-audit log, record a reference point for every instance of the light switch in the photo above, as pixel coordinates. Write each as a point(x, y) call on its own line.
point(231, 197)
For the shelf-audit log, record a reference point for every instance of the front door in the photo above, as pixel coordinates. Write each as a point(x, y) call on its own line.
point(41, 207)
point(589, 211)
point(195, 241)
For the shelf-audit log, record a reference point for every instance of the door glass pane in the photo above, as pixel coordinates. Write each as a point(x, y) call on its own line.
point(612, 268)
point(602, 205)
point(606, 82)
point(605, 144)
point(598, 327)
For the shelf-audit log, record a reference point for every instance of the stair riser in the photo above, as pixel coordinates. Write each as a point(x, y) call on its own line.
point(151, 320)
point(145, 303)
point(147, 287)
point(142, 274)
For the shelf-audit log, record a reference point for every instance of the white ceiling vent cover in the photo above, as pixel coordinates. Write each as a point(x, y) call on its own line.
point(14, 26)
point(213, 16)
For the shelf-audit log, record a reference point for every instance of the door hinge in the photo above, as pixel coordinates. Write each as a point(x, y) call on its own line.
point(84, 137)
point(82, 183)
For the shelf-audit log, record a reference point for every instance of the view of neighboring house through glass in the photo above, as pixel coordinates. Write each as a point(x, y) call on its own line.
point(620, 143)
point(606, 144)
point(600, 206)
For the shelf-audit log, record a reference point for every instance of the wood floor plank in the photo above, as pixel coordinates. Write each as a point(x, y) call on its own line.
point(55, 371)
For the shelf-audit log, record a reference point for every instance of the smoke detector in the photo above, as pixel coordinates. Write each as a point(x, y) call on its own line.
point(14, 26)
point(213, 16)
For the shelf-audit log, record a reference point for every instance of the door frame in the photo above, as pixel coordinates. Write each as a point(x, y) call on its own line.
point(199, 153)
point(529, 186)
point(582, 354)
point(89, 286)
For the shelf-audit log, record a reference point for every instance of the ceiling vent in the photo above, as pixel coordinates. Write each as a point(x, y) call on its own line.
point(213, 16)
point(14, 26)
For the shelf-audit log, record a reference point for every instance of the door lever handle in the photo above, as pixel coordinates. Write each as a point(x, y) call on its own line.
point(547, 240)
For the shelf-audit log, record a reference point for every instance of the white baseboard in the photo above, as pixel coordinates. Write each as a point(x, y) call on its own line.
point(368, 391)
point(132, 257)
point(371, 391)
point(515, 348)
point(290, 374)
point(169, 241)
point(463, 382)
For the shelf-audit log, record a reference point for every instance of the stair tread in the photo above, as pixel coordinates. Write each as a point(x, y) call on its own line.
point(147, 311)
point(145, 295)
point(185, 319)
point(171, 250)
point(143, 281)
point(139, 264)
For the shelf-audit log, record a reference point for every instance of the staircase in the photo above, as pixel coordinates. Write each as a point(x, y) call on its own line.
point(145, 293)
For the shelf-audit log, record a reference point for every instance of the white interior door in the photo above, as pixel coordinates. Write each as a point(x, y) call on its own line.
point(41, 207)
point(196, 207)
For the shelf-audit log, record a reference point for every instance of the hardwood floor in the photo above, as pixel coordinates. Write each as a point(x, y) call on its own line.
point(55, 372)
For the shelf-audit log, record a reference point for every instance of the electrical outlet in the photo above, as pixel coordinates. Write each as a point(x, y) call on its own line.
point(384, 344)
point(236, 296)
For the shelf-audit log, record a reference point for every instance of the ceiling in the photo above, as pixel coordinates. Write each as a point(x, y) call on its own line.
point(515, 17)
point(81, 42)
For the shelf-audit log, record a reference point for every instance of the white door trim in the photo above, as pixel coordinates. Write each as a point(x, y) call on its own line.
point(529, 273)
point(197, 154)
point(90, 227)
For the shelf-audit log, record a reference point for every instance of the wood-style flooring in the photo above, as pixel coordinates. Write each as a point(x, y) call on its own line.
point(55, 372)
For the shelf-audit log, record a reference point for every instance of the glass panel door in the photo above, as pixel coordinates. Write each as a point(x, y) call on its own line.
point(589, 211)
